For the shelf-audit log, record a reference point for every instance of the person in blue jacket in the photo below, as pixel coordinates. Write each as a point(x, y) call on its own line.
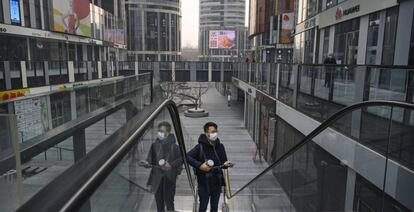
point(208, 158)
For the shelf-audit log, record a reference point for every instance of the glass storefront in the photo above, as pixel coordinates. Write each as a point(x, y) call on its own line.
point(346, 42)
point(390, 34)
point(372, 40)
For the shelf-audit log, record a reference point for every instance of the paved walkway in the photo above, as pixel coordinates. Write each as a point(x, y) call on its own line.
point(239, 147)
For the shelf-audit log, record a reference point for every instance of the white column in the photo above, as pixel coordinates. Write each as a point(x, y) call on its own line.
point(99, 69)
point(173, 72)
point(362, 39)
point(24, 73)
point(277, 80)
point(73, 105)
point(210, 72)
point(136, 68)
point(71, 71)
point(331, 39)
point(350, 190)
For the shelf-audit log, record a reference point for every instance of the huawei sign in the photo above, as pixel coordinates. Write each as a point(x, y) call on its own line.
point(338, 13)
point(286, 17)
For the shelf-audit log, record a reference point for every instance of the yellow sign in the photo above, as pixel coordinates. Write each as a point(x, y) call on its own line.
point(12, 94)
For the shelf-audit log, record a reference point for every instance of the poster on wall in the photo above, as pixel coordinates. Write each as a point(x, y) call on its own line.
point(15, 12)
point(222, 39)
point(288, 24)
point(32, 117)
point(72, 16)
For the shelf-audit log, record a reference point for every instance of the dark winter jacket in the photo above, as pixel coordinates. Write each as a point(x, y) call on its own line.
point(214, 179)
point(169, 151)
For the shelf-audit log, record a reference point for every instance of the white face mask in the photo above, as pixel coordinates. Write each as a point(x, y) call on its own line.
point(212, 136)
point(161, 135)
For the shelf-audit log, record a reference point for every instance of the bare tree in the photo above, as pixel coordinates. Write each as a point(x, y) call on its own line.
point(182, 91)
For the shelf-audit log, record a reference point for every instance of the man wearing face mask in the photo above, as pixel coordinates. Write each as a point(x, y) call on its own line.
point(208, 158)
point(165, 160)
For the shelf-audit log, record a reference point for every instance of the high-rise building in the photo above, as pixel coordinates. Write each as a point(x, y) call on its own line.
point(222, 32)
point(154, 30)
point(49, 42)
point(271, 27)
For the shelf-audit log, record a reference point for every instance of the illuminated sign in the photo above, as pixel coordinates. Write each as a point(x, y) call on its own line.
point(15, 12)
point(340, 12)
point(6, 95)
point(222, 39)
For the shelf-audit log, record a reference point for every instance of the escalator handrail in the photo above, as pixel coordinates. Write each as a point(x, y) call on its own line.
point(73, 188)
point(323, 126)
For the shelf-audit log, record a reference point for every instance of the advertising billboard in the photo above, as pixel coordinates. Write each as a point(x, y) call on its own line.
point(288, 24)
point(15, 12)
point(72, 16)
point(115, 36)
point(222, 39)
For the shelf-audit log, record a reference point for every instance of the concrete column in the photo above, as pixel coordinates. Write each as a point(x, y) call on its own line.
point(362, 39)
point(79, 144)
point(24, 73)
point(173, 71)
point(99, 63)
point(277, 80)
point(136, 68)
point(295, 73)
point(210, 72)
point(321, 42)
point(221, 72)
point(156, 71)
point(405, 19)
point(268, 77)
point(350, 190)
point(331, 39)
point(32, 14)
point(360, 75)
point(249, 72)
point(73, 112)
point(89, 64)
point(46, 68)
point(71, 71)
point(42, 17)
point(193, 72)
point(6, 12)
point(7, 75)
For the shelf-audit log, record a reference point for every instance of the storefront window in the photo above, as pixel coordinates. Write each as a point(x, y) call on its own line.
point(390, 31)
point(46, 14)
point(312, 8)
point(13, 48)
point(372, 43)
point(1, 12)
point(38, 14)
point(309, 44)
point(326, 34)
point(346, 42)
point(2, 77)
point(26, 13)
point(411, 56)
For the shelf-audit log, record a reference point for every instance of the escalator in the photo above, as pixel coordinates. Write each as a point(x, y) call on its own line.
point(111, 177)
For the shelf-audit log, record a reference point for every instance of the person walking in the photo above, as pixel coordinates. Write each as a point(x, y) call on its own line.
point(329, 69)
point(165, 160)
point(208, 158)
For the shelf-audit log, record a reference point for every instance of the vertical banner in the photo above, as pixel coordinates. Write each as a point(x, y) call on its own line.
point(288, 25)
point(72, 16)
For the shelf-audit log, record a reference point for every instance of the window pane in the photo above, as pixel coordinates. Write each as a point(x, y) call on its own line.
point(389, 36)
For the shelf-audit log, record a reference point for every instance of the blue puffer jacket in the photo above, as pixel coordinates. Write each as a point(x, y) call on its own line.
point(214, 179)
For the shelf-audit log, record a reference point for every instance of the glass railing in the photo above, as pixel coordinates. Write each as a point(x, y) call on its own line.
point(140, 167)
point(56, 129)
point(321, 90)
point(327, 171)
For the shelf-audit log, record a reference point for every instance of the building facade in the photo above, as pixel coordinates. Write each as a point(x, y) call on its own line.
point(356, 32)
point(31, 32)
point(222, 21)
point(271, 29)
point(154, 30)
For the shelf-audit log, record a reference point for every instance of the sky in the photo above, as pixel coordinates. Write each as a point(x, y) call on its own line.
point(189, 24)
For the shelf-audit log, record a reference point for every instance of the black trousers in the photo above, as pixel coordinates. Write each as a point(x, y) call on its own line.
point(164, 195)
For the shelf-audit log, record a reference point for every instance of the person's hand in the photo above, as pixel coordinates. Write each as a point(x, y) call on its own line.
point(142, 163)
point(166, 167)
point(229, 164)
point(204, 167)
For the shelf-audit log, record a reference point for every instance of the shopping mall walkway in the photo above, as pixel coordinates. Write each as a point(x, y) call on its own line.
point(239, 145)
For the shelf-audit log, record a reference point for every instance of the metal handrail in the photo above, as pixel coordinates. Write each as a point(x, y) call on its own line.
point(324, 125)
point(74, 187)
